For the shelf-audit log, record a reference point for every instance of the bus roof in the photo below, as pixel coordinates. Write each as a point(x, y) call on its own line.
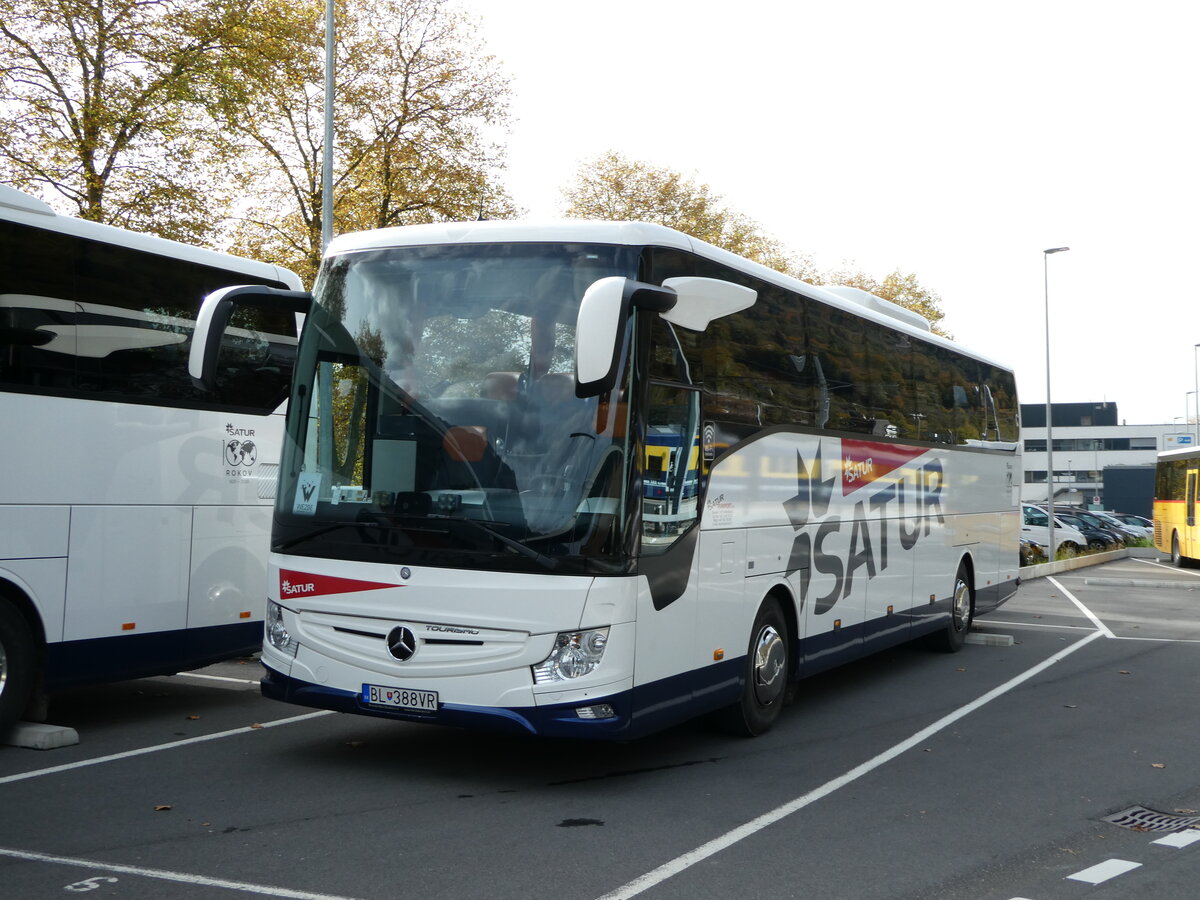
point(18, 206)
point(586, 231)
point(1179, 453)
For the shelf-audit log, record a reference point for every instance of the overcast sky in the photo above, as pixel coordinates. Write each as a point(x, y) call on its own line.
point(956, 140)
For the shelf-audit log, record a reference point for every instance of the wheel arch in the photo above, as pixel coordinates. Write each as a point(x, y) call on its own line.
point(791, 616)
point(19, 599)
point(967, 563)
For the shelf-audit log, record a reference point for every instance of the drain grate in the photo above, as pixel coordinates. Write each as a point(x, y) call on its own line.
point(1139, 818)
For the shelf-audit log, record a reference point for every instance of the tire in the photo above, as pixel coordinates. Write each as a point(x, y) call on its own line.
point(1178, 560)
point(1069, 549)
point(765, 683)
point(962, 610)
point(17, 667)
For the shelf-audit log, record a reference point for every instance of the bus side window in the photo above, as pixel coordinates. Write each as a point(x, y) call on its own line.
point(671, 467)
point(37, 308)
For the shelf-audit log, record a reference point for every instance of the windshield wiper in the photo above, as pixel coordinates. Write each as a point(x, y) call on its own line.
point(524, 549)
point(324, 529)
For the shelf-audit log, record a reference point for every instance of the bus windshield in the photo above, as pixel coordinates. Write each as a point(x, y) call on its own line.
point(434, 421)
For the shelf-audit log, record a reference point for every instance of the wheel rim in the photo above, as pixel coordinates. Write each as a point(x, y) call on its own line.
point(770, 666)
point(961, 606)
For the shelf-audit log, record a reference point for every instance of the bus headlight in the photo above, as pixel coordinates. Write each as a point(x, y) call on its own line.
point(277, 633)
point(575, 654)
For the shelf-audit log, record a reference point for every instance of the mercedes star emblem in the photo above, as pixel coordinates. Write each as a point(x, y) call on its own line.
point(402, 643)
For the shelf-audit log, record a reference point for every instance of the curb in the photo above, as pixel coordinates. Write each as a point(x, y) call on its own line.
point(1092, 559)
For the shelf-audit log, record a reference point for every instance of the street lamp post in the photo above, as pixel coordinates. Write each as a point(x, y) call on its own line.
point(1196, 373)
point(327, 150)
point(1186, 406)
point(1049, 421)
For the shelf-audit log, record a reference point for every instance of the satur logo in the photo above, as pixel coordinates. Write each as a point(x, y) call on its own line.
point(902, 510)
point(290, 590)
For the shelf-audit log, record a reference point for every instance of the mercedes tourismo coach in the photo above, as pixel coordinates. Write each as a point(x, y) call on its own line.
point(591, 479)
point(135, 509)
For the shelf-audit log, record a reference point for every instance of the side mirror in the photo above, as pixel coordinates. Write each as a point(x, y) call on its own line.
point(690, 301)
point(701, 300)
point(603, 311)
point(215, 314)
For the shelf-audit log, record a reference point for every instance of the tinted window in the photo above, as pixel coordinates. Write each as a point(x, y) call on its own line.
point(1170, 479)
point(92, 319)
point(793, 360)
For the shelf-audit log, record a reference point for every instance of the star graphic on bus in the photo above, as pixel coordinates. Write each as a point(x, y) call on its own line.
point(812, 494)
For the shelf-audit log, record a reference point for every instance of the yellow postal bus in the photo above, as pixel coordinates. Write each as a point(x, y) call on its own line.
point(1175, 484)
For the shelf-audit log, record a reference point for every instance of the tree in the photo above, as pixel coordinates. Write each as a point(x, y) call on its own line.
point(618, 189)
point(615, 188)
point(98, 106)
point(415, 92)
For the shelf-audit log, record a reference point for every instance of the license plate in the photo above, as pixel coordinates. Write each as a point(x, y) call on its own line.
point(399, 698)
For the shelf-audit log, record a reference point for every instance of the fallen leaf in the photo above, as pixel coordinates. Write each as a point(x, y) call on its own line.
point(1159, 765)
point(1186, 812)
point(192, 718)
point(162, 807)
point(1071, 706)
point(1125, 672)
point(257, 725)
point(962, 670)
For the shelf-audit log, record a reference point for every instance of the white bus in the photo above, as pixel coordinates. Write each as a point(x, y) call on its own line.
point(134, 508)
point(592, 479)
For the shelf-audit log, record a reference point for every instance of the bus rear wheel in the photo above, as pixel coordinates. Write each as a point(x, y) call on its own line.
point(16, 665)
point(1177, 558)
point(764, 688)
point(962, 609)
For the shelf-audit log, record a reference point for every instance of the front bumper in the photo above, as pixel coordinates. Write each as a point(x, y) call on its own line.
point(559, 720)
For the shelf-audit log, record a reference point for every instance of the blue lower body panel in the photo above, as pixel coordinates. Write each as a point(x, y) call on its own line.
point(637, 712)
point(117, 658)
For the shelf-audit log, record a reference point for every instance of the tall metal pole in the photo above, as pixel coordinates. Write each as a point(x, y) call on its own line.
point(327, 151)
point(1049, 421)
point(1196, 372)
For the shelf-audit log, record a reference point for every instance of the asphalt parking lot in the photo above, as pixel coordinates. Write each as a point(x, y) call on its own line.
point(984, 774)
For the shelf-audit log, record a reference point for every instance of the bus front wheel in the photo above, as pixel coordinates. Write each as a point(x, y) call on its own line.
point(764, 688)
point(16, 665)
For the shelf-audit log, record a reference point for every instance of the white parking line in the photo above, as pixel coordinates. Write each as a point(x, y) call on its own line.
point(218, 678)
point(8, 779)
point(1179, 839)
point(1168, 566)
point(1104, 871)
point(1083, 609)
point(987, 622)
point(703, 852)
point(164, 875)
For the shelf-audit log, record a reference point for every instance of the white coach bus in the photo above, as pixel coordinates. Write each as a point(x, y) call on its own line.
point(134, 508)
point(592, 479)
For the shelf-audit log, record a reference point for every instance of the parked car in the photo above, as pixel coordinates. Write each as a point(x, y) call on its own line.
point(1036, 526)
point(1136, 522)
point(1130, 533)
point(1032, 552)
point(1098, 537)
